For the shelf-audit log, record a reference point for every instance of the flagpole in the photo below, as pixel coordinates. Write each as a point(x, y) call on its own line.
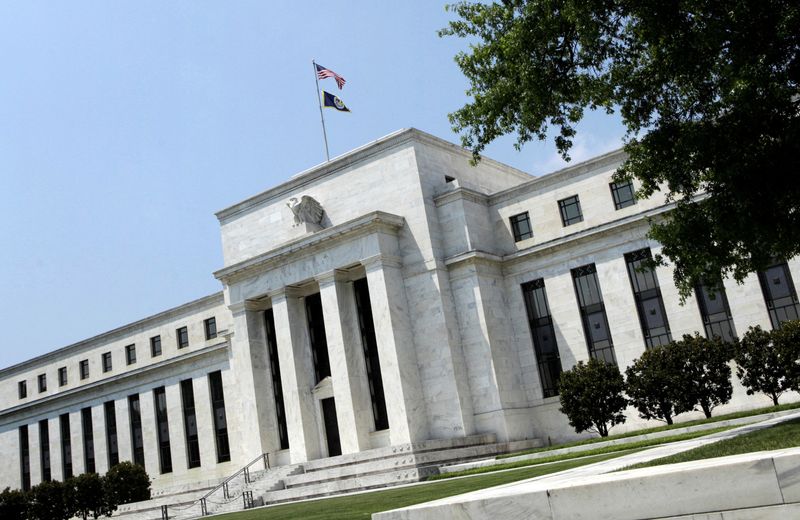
point(321, 115)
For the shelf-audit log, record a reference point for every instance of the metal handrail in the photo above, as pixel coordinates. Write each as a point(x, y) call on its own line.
point(224, 484)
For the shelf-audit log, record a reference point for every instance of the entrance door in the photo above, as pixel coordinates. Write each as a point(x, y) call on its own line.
point(331, 427)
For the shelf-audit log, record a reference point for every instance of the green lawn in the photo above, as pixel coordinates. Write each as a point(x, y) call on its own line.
point(363, 505)
point(784, 435)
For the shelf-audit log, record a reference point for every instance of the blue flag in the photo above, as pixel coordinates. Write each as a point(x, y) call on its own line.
point(331, 101)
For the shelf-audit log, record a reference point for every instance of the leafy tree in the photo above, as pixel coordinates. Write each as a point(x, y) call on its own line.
point(706, 374)
point(655, 384)
point(127, 482)
point(48, 501)
point(13, 504)
point(708, 92)
point(787, 341)
point(591, 396)
point(767, 361)
point(88, 496)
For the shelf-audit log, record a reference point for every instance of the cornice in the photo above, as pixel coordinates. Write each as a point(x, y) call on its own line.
point(461, 193)
point(370, 223)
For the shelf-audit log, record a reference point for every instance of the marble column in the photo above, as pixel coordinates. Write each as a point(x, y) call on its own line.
point(147, 411)
point(405, 402)
point(100, 443)
point(35, 453)
point(56, 466)
point(297, 374)
point(124, 444)
point(177, 433)
point(348, 376)
point(206, 436)
point(76, 435)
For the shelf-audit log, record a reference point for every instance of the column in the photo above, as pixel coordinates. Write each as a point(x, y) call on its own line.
point(177, 433)
point(350, 390)
point(205, 423)
point(35, 453)
point(100, 443)
point(124, 429)
point(56, 467)
point(76, 434)
point(149, 436)
point(405, 402)
point(297, 374)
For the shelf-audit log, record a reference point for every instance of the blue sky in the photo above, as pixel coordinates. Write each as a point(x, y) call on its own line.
point(125, 125)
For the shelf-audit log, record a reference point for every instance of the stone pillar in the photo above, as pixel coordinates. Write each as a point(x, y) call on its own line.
point(124, 443)
point(177, 434)
point(76, 435)
point(56, 467)
point(35, 453)
point(350, 390)
point(147, 411)
point(297, 374)
point(100, 444)
point(405, 401)
point(205, 424)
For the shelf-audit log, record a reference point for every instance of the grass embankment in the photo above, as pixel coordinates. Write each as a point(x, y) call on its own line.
point(666, 427)
point(362, 506)
point(780, 436)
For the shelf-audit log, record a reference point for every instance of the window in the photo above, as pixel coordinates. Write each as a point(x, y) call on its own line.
point(183, 337)
point(111, 433)
point(190, 424)
point(593, 313)
point(107, 362)
point(714, 310)
point(137, 440)
point(779, 294)
point(649, 304)
point(155, 346)
point(210, 326)
point(42, 383)
point(84, 369)
point(162, 430)
point(88, 440)
point(62, 376)
point(22, 389)
point(521, 226)
point(277, 386)
point(220, 421)
point(623, 194)
point(370, 345)
point(130, 354)
point(570, 210)
point(24, 458)
point(544, 336)
point(319, 342)
point(44, 450)
point(66, 445)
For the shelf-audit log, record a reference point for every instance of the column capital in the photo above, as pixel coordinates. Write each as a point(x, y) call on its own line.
point(334, 275)
point(287, 291)
point(380, 261)
point(247, 305)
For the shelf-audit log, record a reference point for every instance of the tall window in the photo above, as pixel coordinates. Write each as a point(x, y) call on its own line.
point(319, 342)
point(137, 441)
point(570, 209)
point(25, 457)
point(111, 433)
point(22, 389)
point(277, 386)
point(210, 326)
point(83, 368)
point(162, 430)
point(623, 194)
point(155, 346)
point(62, 376)
point(182, 334)
point(544, 336)
point(107, 362)
point(88, 440)
point(44, 449)
point(521, 226)
point(593, 313)
point(220, 421)
point(373, 363)
point(130, 354)
point(779, 294)
point(66, 445)
point(649, 304)
point(714, 309)
point(42, 383)
point(190, 423)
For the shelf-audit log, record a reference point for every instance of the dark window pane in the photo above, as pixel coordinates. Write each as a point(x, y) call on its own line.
point(155, 346)
point(162, 430)
point(88, 440)
point(137, 441)
point(277, 386)
point(62, 376)
point(66, 446)
point(220, 421)
point(210, 326)
point(112, 446)
point(42, 383)
point(22, 389)
point(25, 457)
point(647, 294)
point(593, 313)
point(182, 335)
point(319, 342)
point(543, 333)
point(779, 294)
point(714, 309)
point(570, 209)
point(130, 354)
point(84, 368)
point(107, 362)
point(44, 449)
point(190, 424)
point(623, 194)
point(372, 360)
point(521, 226)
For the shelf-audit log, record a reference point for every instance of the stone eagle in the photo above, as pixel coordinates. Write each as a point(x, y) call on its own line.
point(307, 209)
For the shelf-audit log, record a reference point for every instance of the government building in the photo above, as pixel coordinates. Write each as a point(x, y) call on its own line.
point(395, 298)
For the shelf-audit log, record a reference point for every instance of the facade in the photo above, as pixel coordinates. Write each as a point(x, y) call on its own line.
point(391, 296)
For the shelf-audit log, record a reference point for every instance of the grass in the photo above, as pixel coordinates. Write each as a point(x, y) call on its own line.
point(780, 436)
point(666, 427)
point(362, 506)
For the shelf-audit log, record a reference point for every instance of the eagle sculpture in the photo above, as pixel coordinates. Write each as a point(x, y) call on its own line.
point(307, 209)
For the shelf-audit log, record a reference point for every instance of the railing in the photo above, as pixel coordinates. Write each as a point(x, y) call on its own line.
point(224, 485)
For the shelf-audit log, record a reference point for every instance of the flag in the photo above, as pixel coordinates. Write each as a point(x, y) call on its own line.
point(331, 101)
point(323, 73)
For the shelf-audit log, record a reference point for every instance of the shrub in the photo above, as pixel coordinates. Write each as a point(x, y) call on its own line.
point(767, 361)
point(88, 496)
point(591, 396)
point(49, 501)
point(706, 374)
point(13, 504)
point(127, 482)
point(655, 384)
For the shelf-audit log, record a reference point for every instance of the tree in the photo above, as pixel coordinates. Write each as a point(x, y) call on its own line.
point(591, 396)
point(48, 501)
point(13, 504)
point(707, 90)
point(88, 496)
point(706, 374)
point(655, 384)
point(126, 482)
point(767, 361)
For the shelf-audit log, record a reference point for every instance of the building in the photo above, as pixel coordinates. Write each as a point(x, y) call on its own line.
point(392, 295)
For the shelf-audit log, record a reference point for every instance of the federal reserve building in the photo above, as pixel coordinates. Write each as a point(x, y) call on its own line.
point(391, 309)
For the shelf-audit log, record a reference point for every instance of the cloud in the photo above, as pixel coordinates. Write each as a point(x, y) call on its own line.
point(585, 145)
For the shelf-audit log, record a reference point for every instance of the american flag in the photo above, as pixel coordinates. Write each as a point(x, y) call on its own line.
point(323, 73)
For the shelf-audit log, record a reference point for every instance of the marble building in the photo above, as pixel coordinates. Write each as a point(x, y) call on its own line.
point(393, 295)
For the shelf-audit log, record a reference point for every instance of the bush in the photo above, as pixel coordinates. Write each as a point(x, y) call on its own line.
point(768, 361)
point(591, 396)
point(49, 501)
point(706, 374)
point(655, 384)
point(13, 504)
point(88, 496)
point(127, 482)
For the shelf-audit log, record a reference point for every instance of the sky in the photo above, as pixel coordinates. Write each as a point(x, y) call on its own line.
point(125, 125)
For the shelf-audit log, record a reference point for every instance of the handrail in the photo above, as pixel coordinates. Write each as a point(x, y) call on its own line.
point(224, 484)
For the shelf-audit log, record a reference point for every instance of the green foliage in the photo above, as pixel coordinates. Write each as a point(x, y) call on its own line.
point(13, 504)
point(706, 374)
point(88, 496)
point(708, 92)
point(768, 361)
point(591, 396)
point(655, 384)
point(127, 482)
point(50, 501)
